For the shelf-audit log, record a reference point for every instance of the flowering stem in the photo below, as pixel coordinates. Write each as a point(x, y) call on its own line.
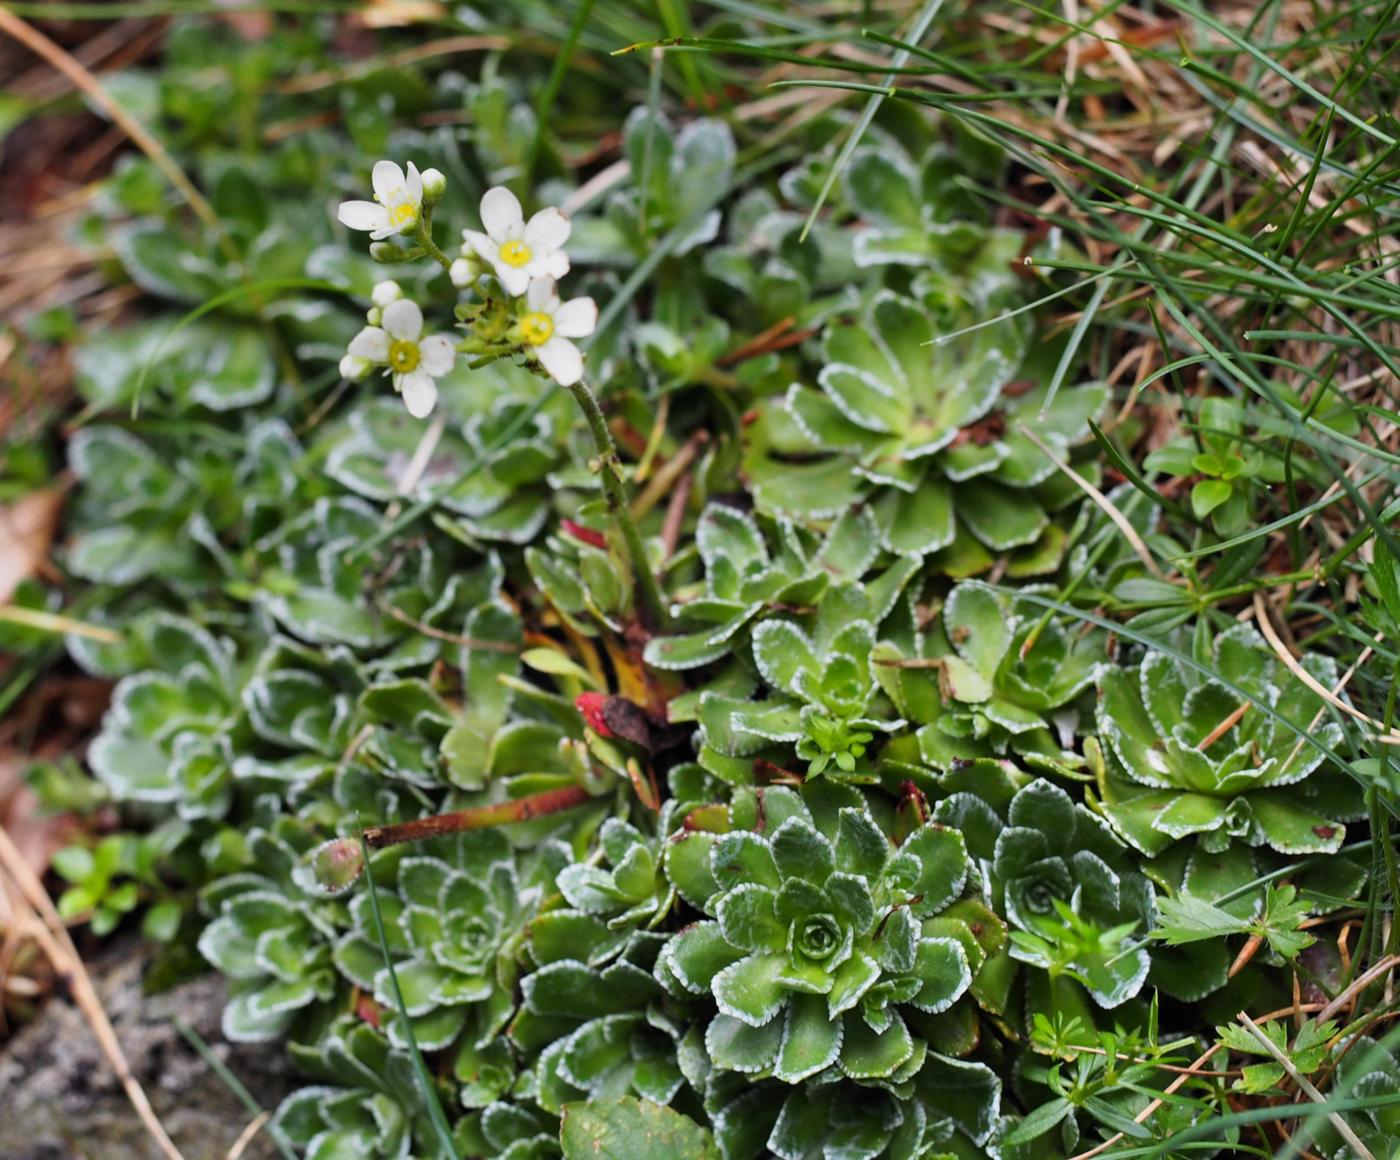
point(425, 239)
point(649, 601)
point(537, 805)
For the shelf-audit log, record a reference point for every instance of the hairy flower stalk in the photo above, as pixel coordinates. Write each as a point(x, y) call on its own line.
point(649, 603)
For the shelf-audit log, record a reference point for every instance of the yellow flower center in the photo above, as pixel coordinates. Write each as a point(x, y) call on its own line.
point(516, 254)
point(403, 213)
point(536, 328)
point(403, 356)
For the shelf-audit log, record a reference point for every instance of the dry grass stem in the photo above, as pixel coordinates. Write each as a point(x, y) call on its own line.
point(1263, 619)
point(1143, 1116)
point(1106, 505)
point(91, 87)
point(53, 937)
point(1305, 1086)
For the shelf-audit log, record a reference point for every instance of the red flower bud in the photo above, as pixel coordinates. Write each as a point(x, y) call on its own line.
point(591, 706)
point(586, 535)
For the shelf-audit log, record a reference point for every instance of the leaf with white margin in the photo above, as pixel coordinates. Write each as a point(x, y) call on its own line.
point(723, 532)
point(969, 1093)
point(736, 1046)
point(883, 186)
point(699, 953)
point(999, 516)
point(800, 850)
point(867, 1054)
point(811, 1042)
point(823, 421)
point(850, 981)
point(750, 990)
point(919, 522)
point(700, 648)
point(977, 626)
point(687, 865)
point(241, 1023)
point(851, 546)
point(784, 655)
point(864, 399)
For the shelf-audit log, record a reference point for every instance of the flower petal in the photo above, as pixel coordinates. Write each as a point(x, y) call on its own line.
point(550, 264)
point(371, 343)
point(419, 393)
point(500, 212)
point(403, 319)
point(562, 360)
point(515, 280)
point(354, 368)
point(485, 248)
point(547, 230)
point(436, 355)
point(541, 297)
point(362, 215)
point(414, 184)
point(577, 318)
point(387, 180)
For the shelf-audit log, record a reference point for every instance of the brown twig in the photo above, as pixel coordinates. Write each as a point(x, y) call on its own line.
point(1359, 984)
point(675, 514)
point(1143, 1116)
point(668, 474)
point(1223, 728)
point(248, 1134)
point(757, 344)
point(1246, 955)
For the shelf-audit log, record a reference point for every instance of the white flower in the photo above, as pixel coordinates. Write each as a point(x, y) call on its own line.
point(547, 325)
point(397, 205)
point(516, 249)
point(413, 361)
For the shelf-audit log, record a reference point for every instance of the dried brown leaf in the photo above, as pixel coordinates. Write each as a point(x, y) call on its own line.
point(27, 529)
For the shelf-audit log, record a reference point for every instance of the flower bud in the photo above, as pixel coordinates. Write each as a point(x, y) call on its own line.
point(434, 185)
point(374, 316)
point(354, 368)
point(385, 252)
point(337, 864)
point(463, 272)
point(385, 292)
point(591, 706)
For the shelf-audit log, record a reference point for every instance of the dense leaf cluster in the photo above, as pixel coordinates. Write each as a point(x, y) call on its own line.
point(878, 837)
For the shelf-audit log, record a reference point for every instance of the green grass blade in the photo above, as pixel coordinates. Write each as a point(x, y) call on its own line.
point(441, 1127)
point(867, 115)
point(545, 105)
point(233, 1083)
point(1274, 66)
point(248, 290)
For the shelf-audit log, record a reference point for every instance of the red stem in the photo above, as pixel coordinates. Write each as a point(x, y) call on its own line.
point(538, 805)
